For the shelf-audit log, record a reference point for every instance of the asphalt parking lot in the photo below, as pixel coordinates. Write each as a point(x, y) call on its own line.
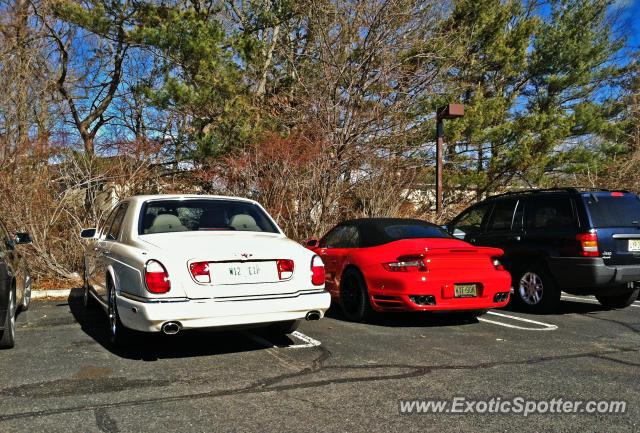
point(332, 375)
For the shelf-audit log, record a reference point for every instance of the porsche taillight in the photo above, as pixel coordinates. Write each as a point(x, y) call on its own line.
point(200, 272)
point(156, 277)
point(317, 271)
point(406, 264)
point(588, 244)
point(285, 268)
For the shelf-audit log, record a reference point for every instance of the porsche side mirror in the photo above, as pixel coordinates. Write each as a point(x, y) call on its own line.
point(88, 233)
point(22, 238)
point(312, 243)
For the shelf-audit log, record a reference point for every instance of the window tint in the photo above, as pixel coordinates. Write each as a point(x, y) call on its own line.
point(609, 211)
point(471, 221)
point(164, 216)
point(341, 237)
point(414, 231)
point(116, 226)
point(550, 213)
point(502, 216)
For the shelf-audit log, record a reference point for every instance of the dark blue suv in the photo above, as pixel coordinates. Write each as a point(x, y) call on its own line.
point(580, 241)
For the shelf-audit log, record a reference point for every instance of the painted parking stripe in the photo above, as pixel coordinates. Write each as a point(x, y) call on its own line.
point(544, 326)
point(636, 304)
point(307, 341)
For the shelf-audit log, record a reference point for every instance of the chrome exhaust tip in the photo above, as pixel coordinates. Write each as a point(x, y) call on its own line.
point(313, 315)
point(171, 328)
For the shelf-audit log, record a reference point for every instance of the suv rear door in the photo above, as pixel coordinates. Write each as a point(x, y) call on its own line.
point(616, 218)
point(551, 225)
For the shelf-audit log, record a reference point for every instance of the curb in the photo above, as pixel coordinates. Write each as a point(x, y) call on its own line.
point(59, 294)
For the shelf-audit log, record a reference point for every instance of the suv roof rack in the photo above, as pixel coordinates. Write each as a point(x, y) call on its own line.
point(573, 189)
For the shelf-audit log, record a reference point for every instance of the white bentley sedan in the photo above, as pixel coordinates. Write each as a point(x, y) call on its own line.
point(164, 263)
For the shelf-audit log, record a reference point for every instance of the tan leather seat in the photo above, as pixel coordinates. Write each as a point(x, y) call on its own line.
point(164, 223)
point(244, 222)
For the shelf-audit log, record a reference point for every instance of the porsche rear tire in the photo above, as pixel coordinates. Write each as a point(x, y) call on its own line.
point(354, 296)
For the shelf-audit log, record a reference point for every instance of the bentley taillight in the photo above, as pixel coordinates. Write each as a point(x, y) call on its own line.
point(156, 277)
point(285, 269)
point(200, 272)
point(317, 271)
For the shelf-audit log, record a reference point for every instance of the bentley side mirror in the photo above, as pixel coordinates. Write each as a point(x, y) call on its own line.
point(312, 243)
point(88, 233)
point(22, 238)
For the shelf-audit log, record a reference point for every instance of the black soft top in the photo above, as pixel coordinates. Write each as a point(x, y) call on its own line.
point(379, 231)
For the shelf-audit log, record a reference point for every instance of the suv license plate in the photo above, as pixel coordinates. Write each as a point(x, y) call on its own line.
point(634, 244)
point(465, 290)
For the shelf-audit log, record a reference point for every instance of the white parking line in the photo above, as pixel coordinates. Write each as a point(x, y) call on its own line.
point(545, 326)
point(308, 341)
point(635, 304)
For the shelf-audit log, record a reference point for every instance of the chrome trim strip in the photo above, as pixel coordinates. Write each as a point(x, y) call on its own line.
point(151, 300)
point(626, 236)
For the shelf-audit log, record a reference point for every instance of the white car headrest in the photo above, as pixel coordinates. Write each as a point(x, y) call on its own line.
point(166, 223)
point(244, 222)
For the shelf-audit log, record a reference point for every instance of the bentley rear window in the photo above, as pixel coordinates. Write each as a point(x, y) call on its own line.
point(164, 216)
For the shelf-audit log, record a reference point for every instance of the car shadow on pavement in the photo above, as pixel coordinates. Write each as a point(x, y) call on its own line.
point(565, 307)
point(421, 319)
point(154, 346)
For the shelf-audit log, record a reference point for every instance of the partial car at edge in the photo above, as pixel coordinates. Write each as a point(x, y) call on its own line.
point(15, 284)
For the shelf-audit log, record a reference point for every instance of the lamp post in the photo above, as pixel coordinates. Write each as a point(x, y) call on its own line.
point(450, 111)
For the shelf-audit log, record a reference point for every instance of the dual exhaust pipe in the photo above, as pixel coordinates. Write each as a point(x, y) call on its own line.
point(171, 328)
point(313, 315)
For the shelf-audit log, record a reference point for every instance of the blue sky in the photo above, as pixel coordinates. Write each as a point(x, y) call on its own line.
point(630, 13)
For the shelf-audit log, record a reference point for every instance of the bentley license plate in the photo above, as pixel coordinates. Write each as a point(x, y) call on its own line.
point(634, 244)
point(241, 272)
point(465, 290)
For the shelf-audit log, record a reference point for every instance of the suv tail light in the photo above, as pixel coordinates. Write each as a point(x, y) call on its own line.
point(405, 263)
point(285, 268)
point(588, 244)
point(156, 277)
point(317, 271)
point(200, 272)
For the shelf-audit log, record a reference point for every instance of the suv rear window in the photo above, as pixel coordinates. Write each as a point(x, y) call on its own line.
point(613, 211)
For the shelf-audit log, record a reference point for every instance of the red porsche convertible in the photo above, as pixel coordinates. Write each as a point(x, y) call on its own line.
point(391, 264)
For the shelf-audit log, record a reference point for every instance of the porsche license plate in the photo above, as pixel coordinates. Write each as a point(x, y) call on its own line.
point(465, 290)
point(634, 244)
